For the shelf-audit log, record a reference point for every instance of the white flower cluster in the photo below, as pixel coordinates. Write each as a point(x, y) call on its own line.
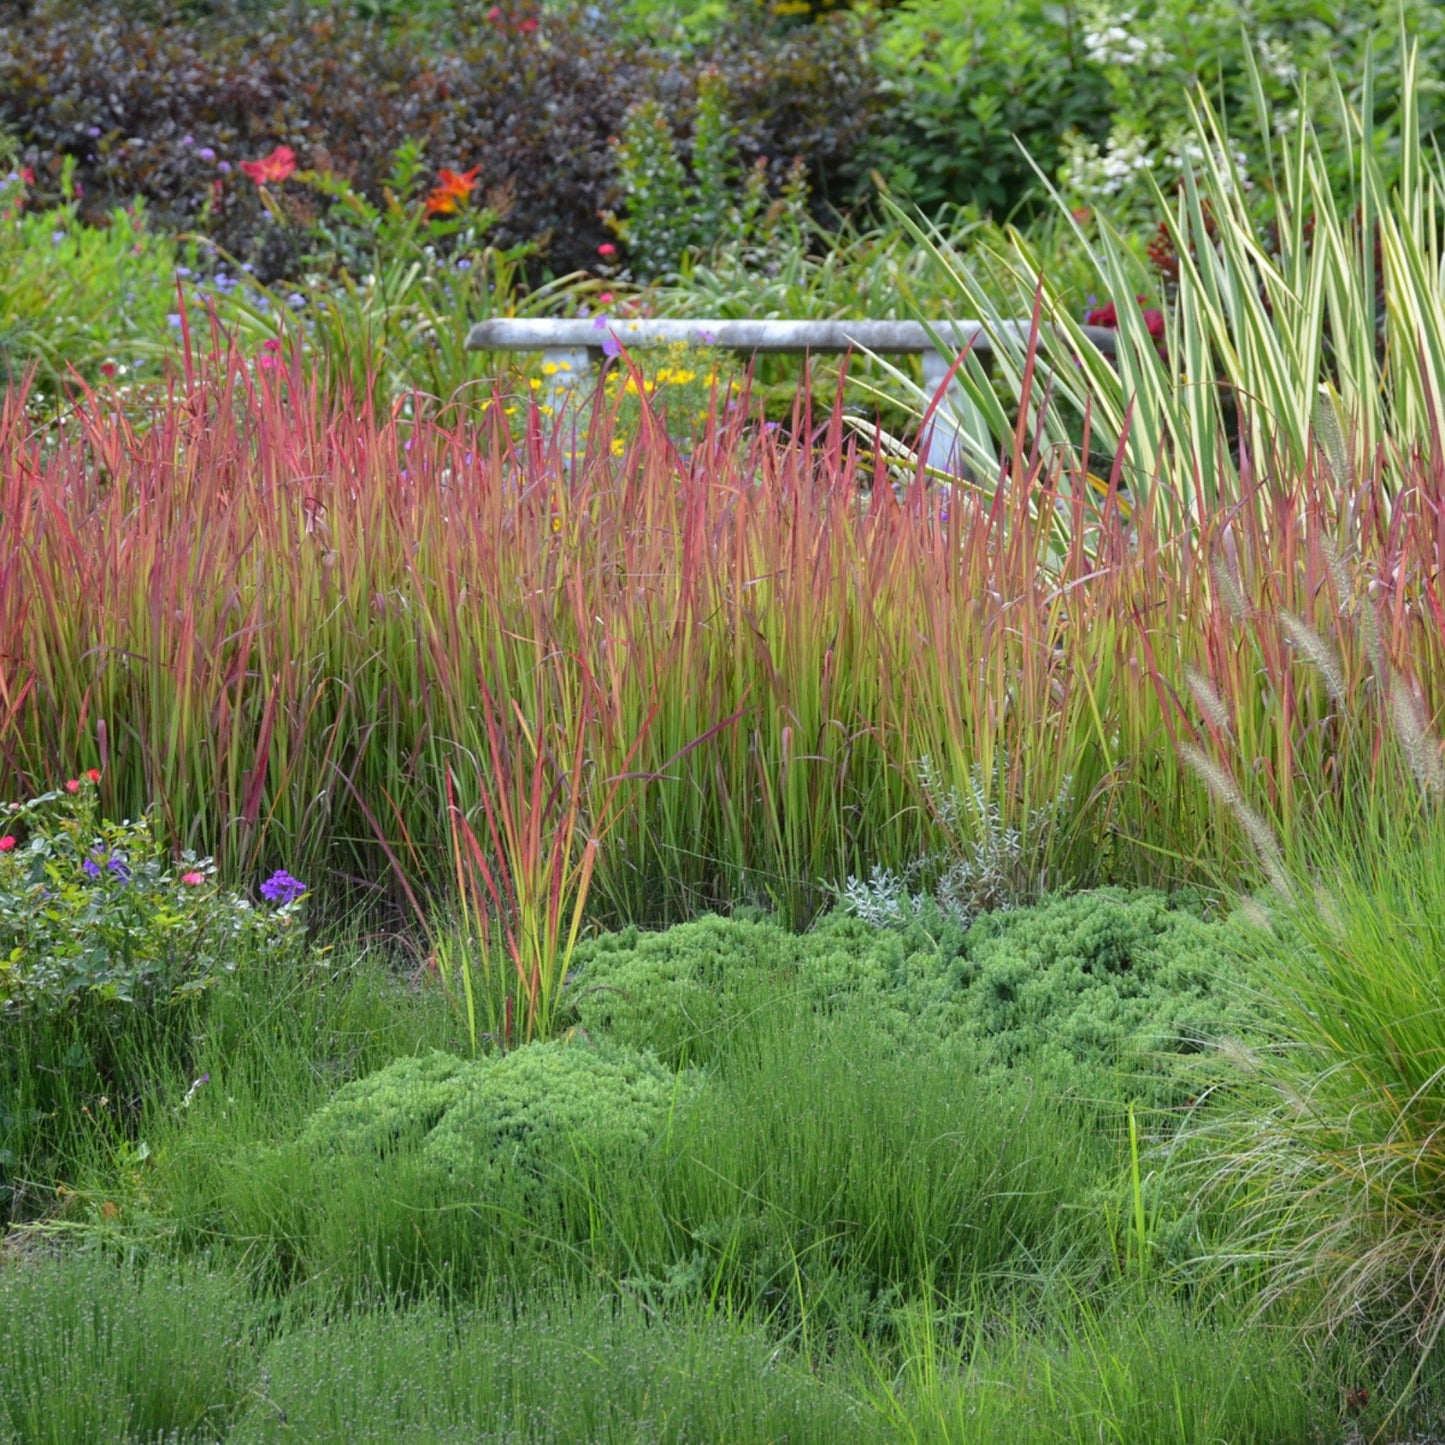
point(1117, 40)
point(1232, 167)
point(1094, 174)
point(1277, 58)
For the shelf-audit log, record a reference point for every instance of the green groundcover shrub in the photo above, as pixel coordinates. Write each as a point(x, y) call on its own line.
point(516, 1116)
point(1086, 988)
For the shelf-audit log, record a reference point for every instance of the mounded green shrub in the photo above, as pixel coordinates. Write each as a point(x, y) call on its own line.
point(1078, 987)
point(391, 1110)
point(518, 1116)
point(553, 1106)
point(1112, 979)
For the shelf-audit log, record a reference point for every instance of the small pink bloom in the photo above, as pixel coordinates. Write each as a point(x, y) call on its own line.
point(192, 879)
point(527, 26)
point(6, 843)
point(605, 299)
point(607, 249)
point(73, 786)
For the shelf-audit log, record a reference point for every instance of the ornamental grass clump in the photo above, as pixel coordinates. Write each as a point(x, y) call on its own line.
point(288, 612)
point(1333, 1168)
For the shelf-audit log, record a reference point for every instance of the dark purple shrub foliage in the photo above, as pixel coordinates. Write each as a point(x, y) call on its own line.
point(164, 104)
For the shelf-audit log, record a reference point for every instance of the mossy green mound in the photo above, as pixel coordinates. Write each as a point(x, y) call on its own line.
point(476, 1124)
point(1078, 988)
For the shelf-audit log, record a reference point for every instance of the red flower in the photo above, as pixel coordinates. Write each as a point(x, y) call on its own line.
point(452, 192)
point(1109, 316)
point(27, 175)
point(527, 26)
point(280, 164)
point(73, 786)
point(607, 249)
point(6, 843)
point(93, 775)
point(192, 879)
point(107, 369)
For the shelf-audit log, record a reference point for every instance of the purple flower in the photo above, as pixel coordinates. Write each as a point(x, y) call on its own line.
point(281, 888)
point(119, 868)
point(93, 131)
point(224, 167)
point(188, 140)
point(173, 320)
point(206, 153)
point(91, 868)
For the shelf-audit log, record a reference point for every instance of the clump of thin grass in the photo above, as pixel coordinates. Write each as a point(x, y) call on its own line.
point(1332, 1163)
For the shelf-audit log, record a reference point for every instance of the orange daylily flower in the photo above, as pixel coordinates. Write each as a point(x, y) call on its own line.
point(454, 188)
point(275, 167)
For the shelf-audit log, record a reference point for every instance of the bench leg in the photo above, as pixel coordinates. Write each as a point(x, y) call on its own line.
point(944, 447)
point(565, 370)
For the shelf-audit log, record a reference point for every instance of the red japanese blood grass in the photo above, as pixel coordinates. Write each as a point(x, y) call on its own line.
point(287, 620)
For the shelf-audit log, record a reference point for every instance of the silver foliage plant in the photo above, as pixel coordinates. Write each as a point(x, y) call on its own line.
point(985, 866)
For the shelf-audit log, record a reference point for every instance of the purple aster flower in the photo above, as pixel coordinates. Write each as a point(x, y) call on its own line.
point(91, 868)
point(281, 888)
point(206, 153)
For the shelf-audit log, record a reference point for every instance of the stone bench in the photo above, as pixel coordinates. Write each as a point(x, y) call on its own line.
point(573, 347)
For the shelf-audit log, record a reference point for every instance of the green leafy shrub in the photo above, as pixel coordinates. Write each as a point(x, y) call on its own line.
point(92, 912)
point(964, 81)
